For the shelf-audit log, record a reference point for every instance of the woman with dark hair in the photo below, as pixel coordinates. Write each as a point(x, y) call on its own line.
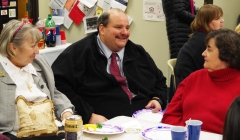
point(206, 94)
point(232, 121)
point(208, 18)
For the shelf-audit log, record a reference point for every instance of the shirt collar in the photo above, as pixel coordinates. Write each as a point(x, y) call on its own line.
point(106, 51)
point(11, 68)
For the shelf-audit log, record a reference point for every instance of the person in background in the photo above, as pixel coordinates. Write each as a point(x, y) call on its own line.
point(206, 94)
point(24, 73)
point(231, 126)
point(237, 29)
point(189, 59)
point(86, 72)
point(179, 15)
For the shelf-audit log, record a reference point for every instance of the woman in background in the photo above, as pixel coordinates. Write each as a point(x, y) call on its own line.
point(206, 94)
point(231, 127)
point(237, 29)
point(208, 18)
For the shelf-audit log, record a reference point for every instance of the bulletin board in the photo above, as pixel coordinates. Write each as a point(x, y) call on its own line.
point(68, 12)
point(9, 10)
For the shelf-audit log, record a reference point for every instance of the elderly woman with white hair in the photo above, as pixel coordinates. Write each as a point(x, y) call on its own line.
point(28, 97)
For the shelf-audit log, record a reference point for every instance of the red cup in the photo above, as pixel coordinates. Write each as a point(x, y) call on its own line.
point(62, 33)
point(63, 37)
point(30, 20)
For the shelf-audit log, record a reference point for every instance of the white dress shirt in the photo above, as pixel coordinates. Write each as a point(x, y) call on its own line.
point(23, 79)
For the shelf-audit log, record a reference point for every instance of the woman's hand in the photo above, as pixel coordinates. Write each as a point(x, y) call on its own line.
point(66, 114)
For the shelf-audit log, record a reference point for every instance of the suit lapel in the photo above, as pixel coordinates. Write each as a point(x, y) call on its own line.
point(36, 78)
point(5, 78)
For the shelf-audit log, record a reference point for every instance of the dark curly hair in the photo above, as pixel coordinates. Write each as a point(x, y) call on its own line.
point(232, 122)
point(228, 44)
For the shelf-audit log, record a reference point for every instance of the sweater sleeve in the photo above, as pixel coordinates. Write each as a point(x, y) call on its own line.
point(174, 113)
point(66, 82)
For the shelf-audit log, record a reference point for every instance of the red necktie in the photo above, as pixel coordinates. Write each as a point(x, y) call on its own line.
point(114, 69)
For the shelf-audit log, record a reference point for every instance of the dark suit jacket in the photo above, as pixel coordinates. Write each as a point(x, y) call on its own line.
point(80, 72)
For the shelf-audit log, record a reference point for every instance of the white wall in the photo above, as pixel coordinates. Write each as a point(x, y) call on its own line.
point(151, 35)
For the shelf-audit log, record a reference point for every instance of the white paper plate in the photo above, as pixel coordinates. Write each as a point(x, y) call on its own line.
point(146, 114)
point(107, 129)
point(157, 133)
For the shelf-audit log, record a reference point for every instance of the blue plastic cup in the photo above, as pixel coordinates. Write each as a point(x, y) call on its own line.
point(178, 132)
point(194, 129)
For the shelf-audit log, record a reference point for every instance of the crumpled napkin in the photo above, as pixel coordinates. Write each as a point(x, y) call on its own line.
point(58, 123)
point(132, 127)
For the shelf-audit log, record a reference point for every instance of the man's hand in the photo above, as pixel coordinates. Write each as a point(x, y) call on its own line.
point(155, 105)
point(95, 118)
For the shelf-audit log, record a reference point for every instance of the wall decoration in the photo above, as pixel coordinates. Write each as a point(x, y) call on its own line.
point(152, 10)
point(88, 11)
point(12, 12)
point(90, 24)
point(4, 12)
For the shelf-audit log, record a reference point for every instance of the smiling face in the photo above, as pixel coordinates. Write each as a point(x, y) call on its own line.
point(24, 54)
point(216, 23)
point(211, 57)
point(116, 33)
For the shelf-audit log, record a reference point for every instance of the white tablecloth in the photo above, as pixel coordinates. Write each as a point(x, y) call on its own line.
point(51, 53)
point(137, 136)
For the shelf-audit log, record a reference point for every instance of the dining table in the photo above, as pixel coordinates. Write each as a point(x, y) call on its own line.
point(145, 124)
